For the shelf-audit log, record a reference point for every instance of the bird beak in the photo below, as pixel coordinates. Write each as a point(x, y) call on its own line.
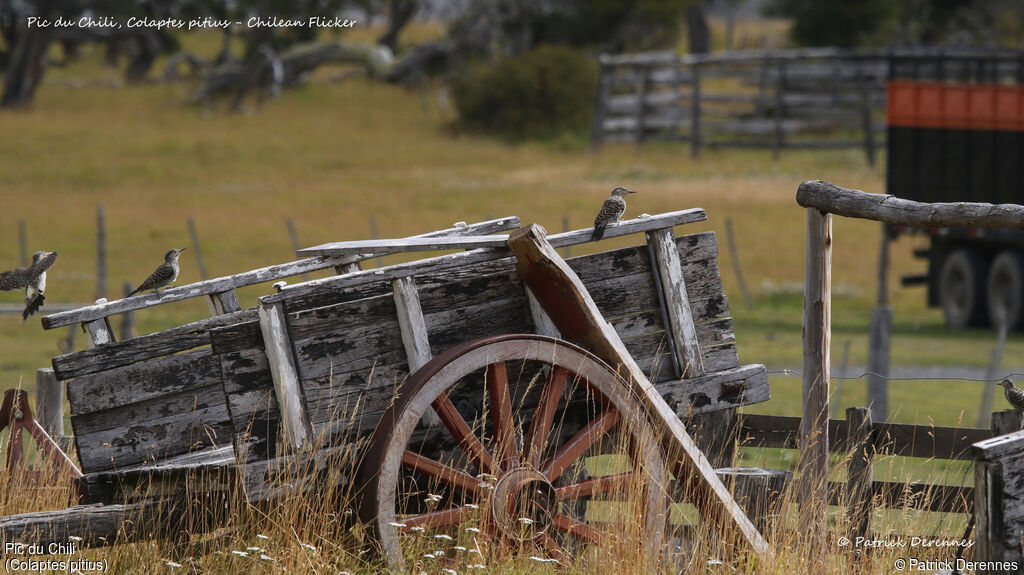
point(181, 250)
point(630, 191)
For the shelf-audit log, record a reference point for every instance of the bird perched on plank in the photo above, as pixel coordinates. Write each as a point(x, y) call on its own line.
point(1013, 394)
point(611, 210)
point(32, 279)
point(164, 275)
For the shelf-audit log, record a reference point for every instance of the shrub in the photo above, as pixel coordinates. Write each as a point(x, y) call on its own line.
point(538, 94)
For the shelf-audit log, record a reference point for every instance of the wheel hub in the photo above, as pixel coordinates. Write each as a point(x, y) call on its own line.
point(523, 503)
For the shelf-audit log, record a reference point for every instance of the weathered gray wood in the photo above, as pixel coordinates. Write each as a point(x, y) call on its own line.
point(542, 323)
point(999, 498)
point(294, 419)
point(889, 438)
point(95, 524)
point(817, 336)
point(224, 302)
point(574, 312)
point(716, 391)
point(831, 198)
point(858, 474)
point(411, 324)
point(142, 381)
point(681, 329)
point(758, 491)
point(879, 344)
point(167, 342)
point(50, 403)
point(404, 245)
point(99, 331)
point(1004, 422)
point(243, 279)
point(476, 256)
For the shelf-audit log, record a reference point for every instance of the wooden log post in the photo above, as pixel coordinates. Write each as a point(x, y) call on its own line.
point(1008, 421)
point(50, 403)
point(999, 501)
point(758, 491)
point(858, 474)
point(574, 312)
point(817, 336)
point(298, 431)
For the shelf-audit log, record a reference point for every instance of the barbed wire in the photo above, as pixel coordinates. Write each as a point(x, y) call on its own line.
point(866, 374)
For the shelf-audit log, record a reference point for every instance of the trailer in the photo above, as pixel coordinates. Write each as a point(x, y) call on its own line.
point(473, 386)
point(956, 134)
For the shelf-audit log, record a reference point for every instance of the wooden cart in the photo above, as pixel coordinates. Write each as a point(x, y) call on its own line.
point(474, 384)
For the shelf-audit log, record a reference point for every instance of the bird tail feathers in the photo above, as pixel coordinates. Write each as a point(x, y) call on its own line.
point(598, 233)
point(32, 306)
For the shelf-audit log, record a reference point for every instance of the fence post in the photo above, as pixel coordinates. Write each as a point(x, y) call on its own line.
point(988, 394)
point(734, 255)
point(198, 249)
point(858, 473)
point(817, 335)
point(23, 243)
point(780, 106)
point(50, 403)
point(641, 103)
point(844, 361)
point(695, 111)
point(101, 254)
point(868, 124)
point(879, 339)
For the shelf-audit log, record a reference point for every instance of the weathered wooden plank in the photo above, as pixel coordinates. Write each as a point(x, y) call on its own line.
point(96, 524)
point(542, 324)
point(226, 283)
point(121, 353)
point(680, 328)
point(49, 409)
point(141, 382)
point(224, 303)
point(294, 420)
point(727, 389)
point(163, 427)
point(475, 256)
point(888, 438)
point(411, 323)
point(830, 198)
point(576, 316)
point(99, 331)
point(252, 404)
point(859, 469)
point(399, 245)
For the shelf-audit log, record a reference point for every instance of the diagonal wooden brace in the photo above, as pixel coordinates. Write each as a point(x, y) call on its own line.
point(565, 299)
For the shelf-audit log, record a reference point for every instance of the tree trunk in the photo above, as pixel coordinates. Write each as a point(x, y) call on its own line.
point(697, 26)
point(402, 12)
point(25, 69)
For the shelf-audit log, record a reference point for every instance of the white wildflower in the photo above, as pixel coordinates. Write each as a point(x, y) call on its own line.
point(443, 536)
point(172, 564)
point(240, 553)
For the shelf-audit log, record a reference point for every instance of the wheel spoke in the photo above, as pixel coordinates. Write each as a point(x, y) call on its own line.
point(575, 528)
point(460, 430)
point(544, 415)
point(459, 479)
point(594, 486)
point(439, 518)
point(501, 413)
point(579, 443)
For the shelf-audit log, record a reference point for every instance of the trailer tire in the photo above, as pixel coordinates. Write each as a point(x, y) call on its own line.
point(1006, 290)
point(962, 289)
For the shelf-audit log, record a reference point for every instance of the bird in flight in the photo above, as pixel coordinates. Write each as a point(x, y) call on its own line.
point(611, 211)
point(32, 279)
point(164, 275)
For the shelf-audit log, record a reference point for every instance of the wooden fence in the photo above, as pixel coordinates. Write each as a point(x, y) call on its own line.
point(819, 98)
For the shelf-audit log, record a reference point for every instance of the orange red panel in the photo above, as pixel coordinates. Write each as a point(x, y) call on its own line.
point(955, 106)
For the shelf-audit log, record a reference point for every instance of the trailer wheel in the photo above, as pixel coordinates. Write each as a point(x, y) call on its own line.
point(962, 288)
point(1006, 290)
point(512, 467)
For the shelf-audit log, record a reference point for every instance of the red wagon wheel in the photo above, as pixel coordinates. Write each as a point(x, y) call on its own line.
point(541, 449)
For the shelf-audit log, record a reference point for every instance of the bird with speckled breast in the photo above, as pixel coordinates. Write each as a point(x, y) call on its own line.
point(1014, 394)
point(165, 274)
point(611, 211)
